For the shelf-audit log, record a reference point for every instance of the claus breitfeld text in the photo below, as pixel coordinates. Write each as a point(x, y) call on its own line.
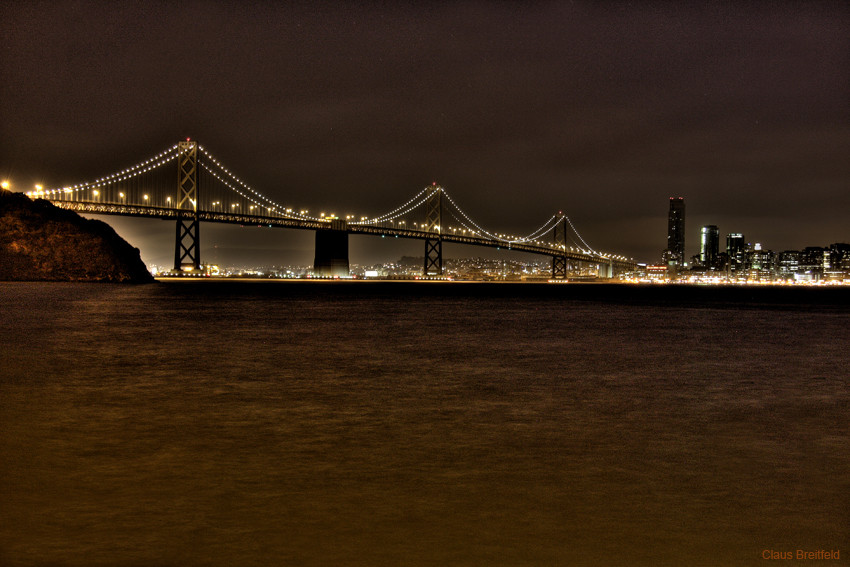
point(801, 554)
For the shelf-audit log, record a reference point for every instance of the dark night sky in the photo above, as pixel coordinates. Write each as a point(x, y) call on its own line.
point(604, 110)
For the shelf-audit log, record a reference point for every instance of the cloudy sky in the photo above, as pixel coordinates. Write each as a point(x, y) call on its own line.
point(601, 109)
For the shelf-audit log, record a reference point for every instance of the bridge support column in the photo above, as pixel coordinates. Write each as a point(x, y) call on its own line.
point(433, 257)
point(434, 226)
point(332, 250)
point(187, 246)
point(187, 253)
point(559, 238)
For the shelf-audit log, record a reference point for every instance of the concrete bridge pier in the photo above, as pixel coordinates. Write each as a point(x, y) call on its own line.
point(332, 250)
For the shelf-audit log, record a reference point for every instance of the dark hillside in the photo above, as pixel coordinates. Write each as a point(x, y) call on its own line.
point(41, 242)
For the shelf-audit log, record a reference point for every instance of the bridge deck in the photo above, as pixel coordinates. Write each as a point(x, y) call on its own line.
point(310, 224)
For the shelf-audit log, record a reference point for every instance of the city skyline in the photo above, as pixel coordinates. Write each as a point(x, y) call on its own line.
point(520, 111)
point(468, 394)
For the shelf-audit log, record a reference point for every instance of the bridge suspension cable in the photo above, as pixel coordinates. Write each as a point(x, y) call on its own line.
point(455, 212)
point(274, 206)
point(582, 239)
point(148, 188)
point(126, 174)
point(402, 210)
point(513, 240)
point(544, 228)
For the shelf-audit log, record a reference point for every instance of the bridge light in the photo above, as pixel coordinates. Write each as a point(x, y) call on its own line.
point(145, 197)
point(96, 192)
point(168, 200)
point(121, 195)
point(5, 185)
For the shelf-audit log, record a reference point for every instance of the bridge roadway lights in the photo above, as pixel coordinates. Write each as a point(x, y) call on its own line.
point(332, 250)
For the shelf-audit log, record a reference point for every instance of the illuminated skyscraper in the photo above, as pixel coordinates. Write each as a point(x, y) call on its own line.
point(736, 250)
point(709, 245)
point(788, 264)
point(675, 253)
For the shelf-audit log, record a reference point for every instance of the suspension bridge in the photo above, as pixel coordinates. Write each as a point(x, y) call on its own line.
point(187, 184)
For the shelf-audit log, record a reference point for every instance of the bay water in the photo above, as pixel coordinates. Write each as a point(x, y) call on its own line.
point(357, 423)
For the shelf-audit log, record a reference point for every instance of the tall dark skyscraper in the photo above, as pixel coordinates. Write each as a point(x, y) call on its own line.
point(675, 253)
point(709, 245)
point(736, 250)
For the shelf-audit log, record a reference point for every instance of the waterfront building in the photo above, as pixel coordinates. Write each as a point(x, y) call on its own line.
point(760, 263)
point(656, 272)
point(674, 255)
point(709, 247)
point(811, 262)
point(736, 251)
point(836, 265)
point(787, 264)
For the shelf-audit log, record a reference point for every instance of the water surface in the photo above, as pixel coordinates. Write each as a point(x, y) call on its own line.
point(270, 423)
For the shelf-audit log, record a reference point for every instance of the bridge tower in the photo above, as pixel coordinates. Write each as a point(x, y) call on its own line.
point(559, 238)
point(187, 246)
point(434, 228)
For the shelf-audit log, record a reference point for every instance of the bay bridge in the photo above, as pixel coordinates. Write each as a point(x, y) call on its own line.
point(185, 183)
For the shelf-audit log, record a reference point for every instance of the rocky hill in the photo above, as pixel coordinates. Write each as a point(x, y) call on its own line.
point(41, 242)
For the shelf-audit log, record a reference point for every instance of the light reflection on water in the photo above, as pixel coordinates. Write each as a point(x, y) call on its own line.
point(256, 424)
